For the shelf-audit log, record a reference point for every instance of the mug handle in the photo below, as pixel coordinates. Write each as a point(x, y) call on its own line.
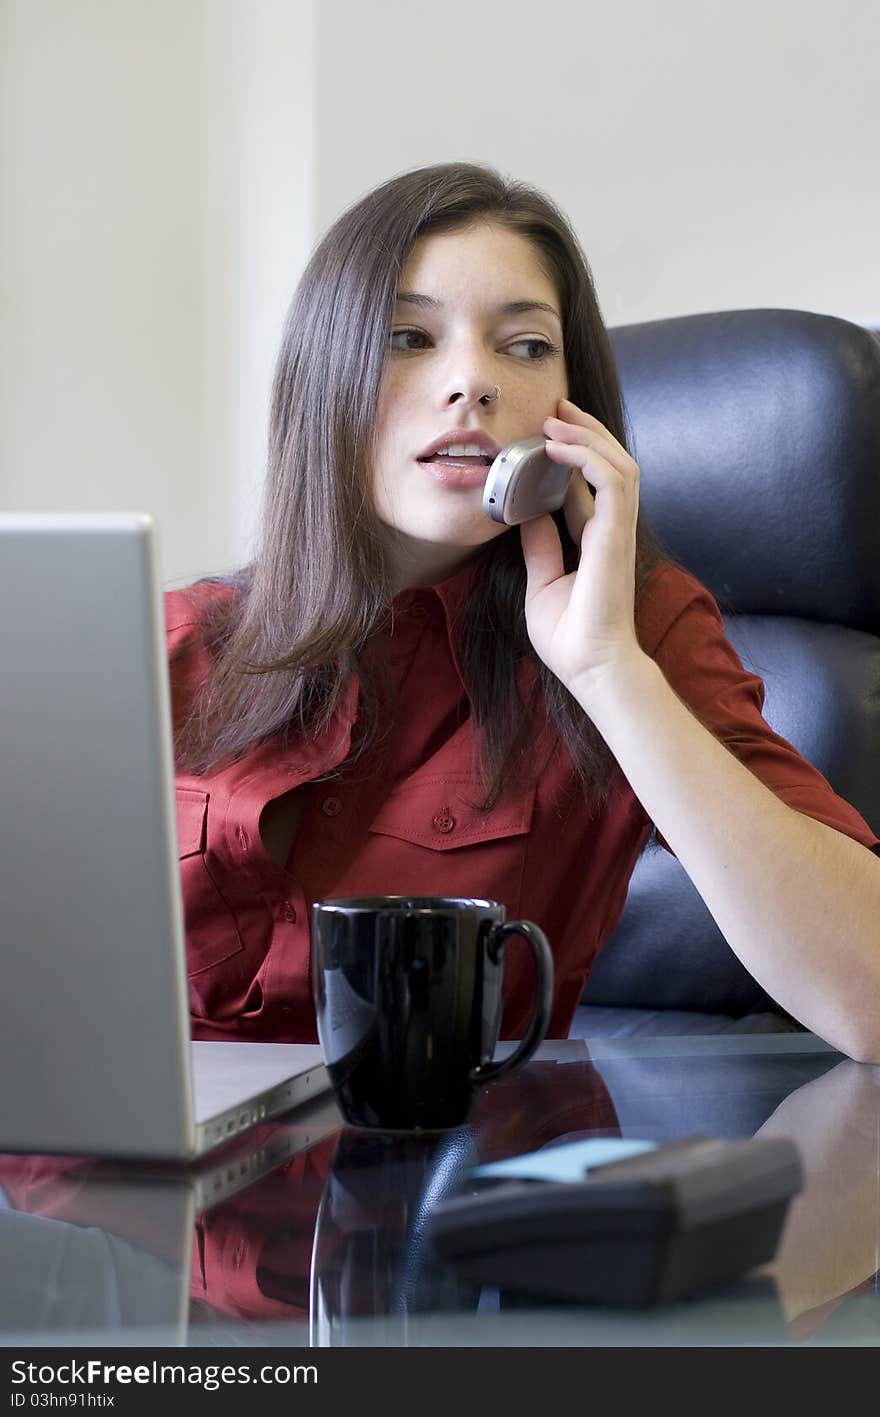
point(538, 1024)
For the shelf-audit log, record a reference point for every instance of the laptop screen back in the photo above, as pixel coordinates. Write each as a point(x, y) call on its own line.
point(95, 1037)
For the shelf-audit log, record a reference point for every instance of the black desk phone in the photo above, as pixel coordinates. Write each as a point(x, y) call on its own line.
point(658, 1225)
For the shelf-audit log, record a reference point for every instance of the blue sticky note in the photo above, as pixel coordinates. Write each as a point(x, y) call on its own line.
point(569, 1162)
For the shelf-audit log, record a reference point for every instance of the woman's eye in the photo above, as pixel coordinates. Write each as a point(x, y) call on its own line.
point(538, 348)
point(407, 339)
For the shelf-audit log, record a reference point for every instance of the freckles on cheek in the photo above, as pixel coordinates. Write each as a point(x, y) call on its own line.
point(383, 484)
point(383, 492)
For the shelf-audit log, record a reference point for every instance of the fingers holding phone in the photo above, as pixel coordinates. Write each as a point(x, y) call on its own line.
point(579, 441)
point(577, 619)
point(533, 476)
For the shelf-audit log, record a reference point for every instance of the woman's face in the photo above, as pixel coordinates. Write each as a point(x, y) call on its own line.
point(474, 310)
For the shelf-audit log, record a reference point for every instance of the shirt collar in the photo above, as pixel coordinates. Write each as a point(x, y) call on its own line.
point(452, 593)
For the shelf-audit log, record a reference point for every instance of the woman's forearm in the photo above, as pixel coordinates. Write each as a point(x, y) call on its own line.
point(798, 902)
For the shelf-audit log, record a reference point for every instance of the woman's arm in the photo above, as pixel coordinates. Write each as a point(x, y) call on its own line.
point(797, 901)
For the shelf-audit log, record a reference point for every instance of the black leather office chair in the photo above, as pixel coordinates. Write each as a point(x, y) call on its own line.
point(758, 437)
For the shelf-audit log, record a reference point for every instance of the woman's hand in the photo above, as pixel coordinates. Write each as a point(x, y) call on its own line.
point(583, 623)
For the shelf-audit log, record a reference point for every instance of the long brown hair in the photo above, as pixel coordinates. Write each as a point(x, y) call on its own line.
point(284, 647)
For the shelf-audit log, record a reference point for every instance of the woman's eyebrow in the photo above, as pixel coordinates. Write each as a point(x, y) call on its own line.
point(510, 307)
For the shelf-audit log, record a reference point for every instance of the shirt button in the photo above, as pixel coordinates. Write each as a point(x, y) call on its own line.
point(444, 822)
point(331, 806)
point(288, 912)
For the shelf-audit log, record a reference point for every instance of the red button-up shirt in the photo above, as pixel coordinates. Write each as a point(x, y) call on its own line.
point(410, 826)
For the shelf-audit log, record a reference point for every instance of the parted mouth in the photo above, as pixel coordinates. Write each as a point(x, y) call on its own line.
point(462, 443)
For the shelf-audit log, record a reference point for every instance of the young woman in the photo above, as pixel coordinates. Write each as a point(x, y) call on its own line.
point(402, 696)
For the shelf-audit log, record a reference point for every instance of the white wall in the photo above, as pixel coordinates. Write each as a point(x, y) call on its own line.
point(711, 154)
point(101, 260)
point(167, 164)
point(258, 155)
point(156, 163)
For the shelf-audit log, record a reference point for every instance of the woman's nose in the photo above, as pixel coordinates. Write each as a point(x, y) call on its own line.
point(484, 400)
point(468, 373)
point(476, 389)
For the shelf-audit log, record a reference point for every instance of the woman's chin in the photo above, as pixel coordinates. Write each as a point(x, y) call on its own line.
point(425, 554)
point(464, 529)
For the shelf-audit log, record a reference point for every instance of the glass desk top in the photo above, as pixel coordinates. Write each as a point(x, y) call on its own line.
point(311, 1233)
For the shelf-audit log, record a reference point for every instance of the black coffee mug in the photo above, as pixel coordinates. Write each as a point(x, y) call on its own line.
point(408, 993)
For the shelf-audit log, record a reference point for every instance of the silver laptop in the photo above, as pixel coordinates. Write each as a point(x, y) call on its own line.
point(96, 1056)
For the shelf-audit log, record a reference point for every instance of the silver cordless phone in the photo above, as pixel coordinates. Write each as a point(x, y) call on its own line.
point(523, 482)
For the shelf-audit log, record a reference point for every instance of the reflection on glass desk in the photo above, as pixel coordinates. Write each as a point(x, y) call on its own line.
point(311, 1233)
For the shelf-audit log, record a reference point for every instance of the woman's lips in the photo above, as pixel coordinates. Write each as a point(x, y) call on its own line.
point(456, 472)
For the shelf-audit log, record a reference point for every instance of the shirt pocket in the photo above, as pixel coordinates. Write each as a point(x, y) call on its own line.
point(211, 932)
point(429, 838)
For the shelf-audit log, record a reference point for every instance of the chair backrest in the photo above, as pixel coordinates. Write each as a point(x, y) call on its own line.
point(757, 433)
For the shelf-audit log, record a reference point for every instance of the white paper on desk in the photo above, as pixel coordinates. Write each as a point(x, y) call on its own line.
point(569, 1162)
